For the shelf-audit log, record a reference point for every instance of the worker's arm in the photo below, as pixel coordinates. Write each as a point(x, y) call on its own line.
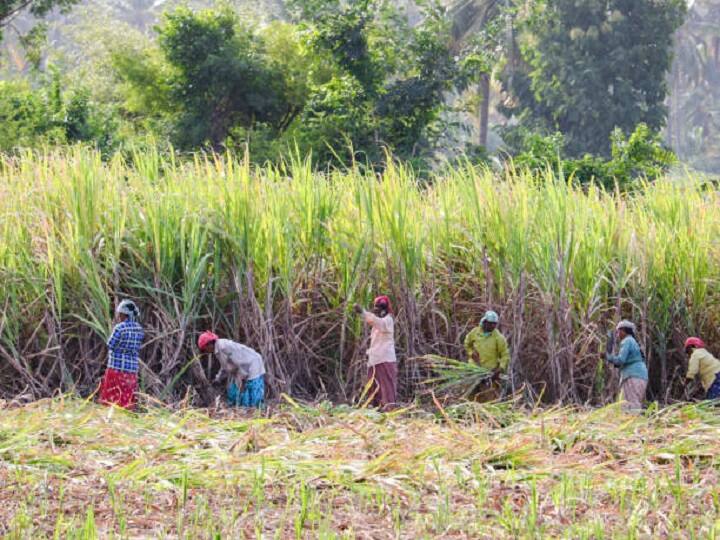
point(504, 353)
point(239, 381)
point(621, 358)
point(373, 320)
point(219, 375)
point(693, 366)
point(469, 345)
point(610, 343)
point(114, 338)
point(227, 365)
point(223, 367)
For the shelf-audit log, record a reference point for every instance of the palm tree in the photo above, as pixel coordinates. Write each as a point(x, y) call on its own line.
point(469, 17)
point(694, 115)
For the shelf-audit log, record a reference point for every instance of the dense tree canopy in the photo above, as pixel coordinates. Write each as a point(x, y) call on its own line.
point(355, 80)
point(589, 66)
point(216, 76)
point(9, 9)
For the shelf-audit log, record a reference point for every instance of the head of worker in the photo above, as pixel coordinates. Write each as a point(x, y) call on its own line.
point(381, 306)
point(127, 311)
point(489, 322)
point(206, 342)
point(693, 343)
point(625, 329)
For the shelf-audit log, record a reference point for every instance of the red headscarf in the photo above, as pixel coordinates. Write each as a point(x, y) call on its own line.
point(694, 342)
point(383, 301)
point(205, 339)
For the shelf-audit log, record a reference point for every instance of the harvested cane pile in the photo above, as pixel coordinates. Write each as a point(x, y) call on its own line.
point(72, 469)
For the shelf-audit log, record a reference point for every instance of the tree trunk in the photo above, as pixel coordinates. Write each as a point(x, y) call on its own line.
point(484, 113)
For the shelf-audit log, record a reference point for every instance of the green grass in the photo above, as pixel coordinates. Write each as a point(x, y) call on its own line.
point(73, 469)
point(276, 257)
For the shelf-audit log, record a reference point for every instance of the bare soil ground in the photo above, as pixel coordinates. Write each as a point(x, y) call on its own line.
point(73, 469)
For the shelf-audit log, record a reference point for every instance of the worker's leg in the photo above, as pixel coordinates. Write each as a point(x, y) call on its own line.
point(374, 390)
point(386, 376)
point(233, 395)
point(714, 390)
point(633, 393)
point(486, 392)
point(253, 394)
point(118, 388)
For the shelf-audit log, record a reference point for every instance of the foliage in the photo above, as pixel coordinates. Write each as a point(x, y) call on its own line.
point(640, 156)
point(216, 77)
point(694, 122)
point(385, 99)
point(49, 115)
point(590, 66)
point(453, 378)
point(24, 116)
point(9, 9)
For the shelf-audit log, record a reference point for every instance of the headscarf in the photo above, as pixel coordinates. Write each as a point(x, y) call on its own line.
point(626, 325)
point(694, 342)
point(491, 317)
point(205, 339)
point(128, 307)
point(383, 301)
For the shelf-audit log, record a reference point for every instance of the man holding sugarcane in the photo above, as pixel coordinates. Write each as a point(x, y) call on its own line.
point(488, 348)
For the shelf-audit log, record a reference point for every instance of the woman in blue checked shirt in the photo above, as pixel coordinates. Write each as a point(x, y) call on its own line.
point(119, 384)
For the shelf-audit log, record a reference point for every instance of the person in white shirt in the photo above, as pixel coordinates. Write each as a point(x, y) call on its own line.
point(382, 362)
point(244, 367)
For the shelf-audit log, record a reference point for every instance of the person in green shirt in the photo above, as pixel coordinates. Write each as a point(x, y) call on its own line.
point(488, 348)
point(705, 365)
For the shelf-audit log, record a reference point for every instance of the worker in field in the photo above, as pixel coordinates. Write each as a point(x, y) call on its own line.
point(120, 382)
point(243, 366)
point(382, 362)
point(630, 360)
point(704, 364)
point(488, 348)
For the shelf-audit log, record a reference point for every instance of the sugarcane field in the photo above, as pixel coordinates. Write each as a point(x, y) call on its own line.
point(209, 349)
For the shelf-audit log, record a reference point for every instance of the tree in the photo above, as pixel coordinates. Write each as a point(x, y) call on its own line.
point(209, 76)
point(589, 66)
point(50, 114)
point(471, 18)
point(9, 9)
point(694, 120)
point(391, 81)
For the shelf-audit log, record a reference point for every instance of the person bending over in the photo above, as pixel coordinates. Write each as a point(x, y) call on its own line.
point(704, 364)
point(243, 366)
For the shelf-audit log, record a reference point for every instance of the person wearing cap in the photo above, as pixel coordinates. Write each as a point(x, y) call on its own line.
point(244, 367)
point(704, 364)
point(382, 362)
point(630, 360)
point(488, 348)
point(120, 382)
